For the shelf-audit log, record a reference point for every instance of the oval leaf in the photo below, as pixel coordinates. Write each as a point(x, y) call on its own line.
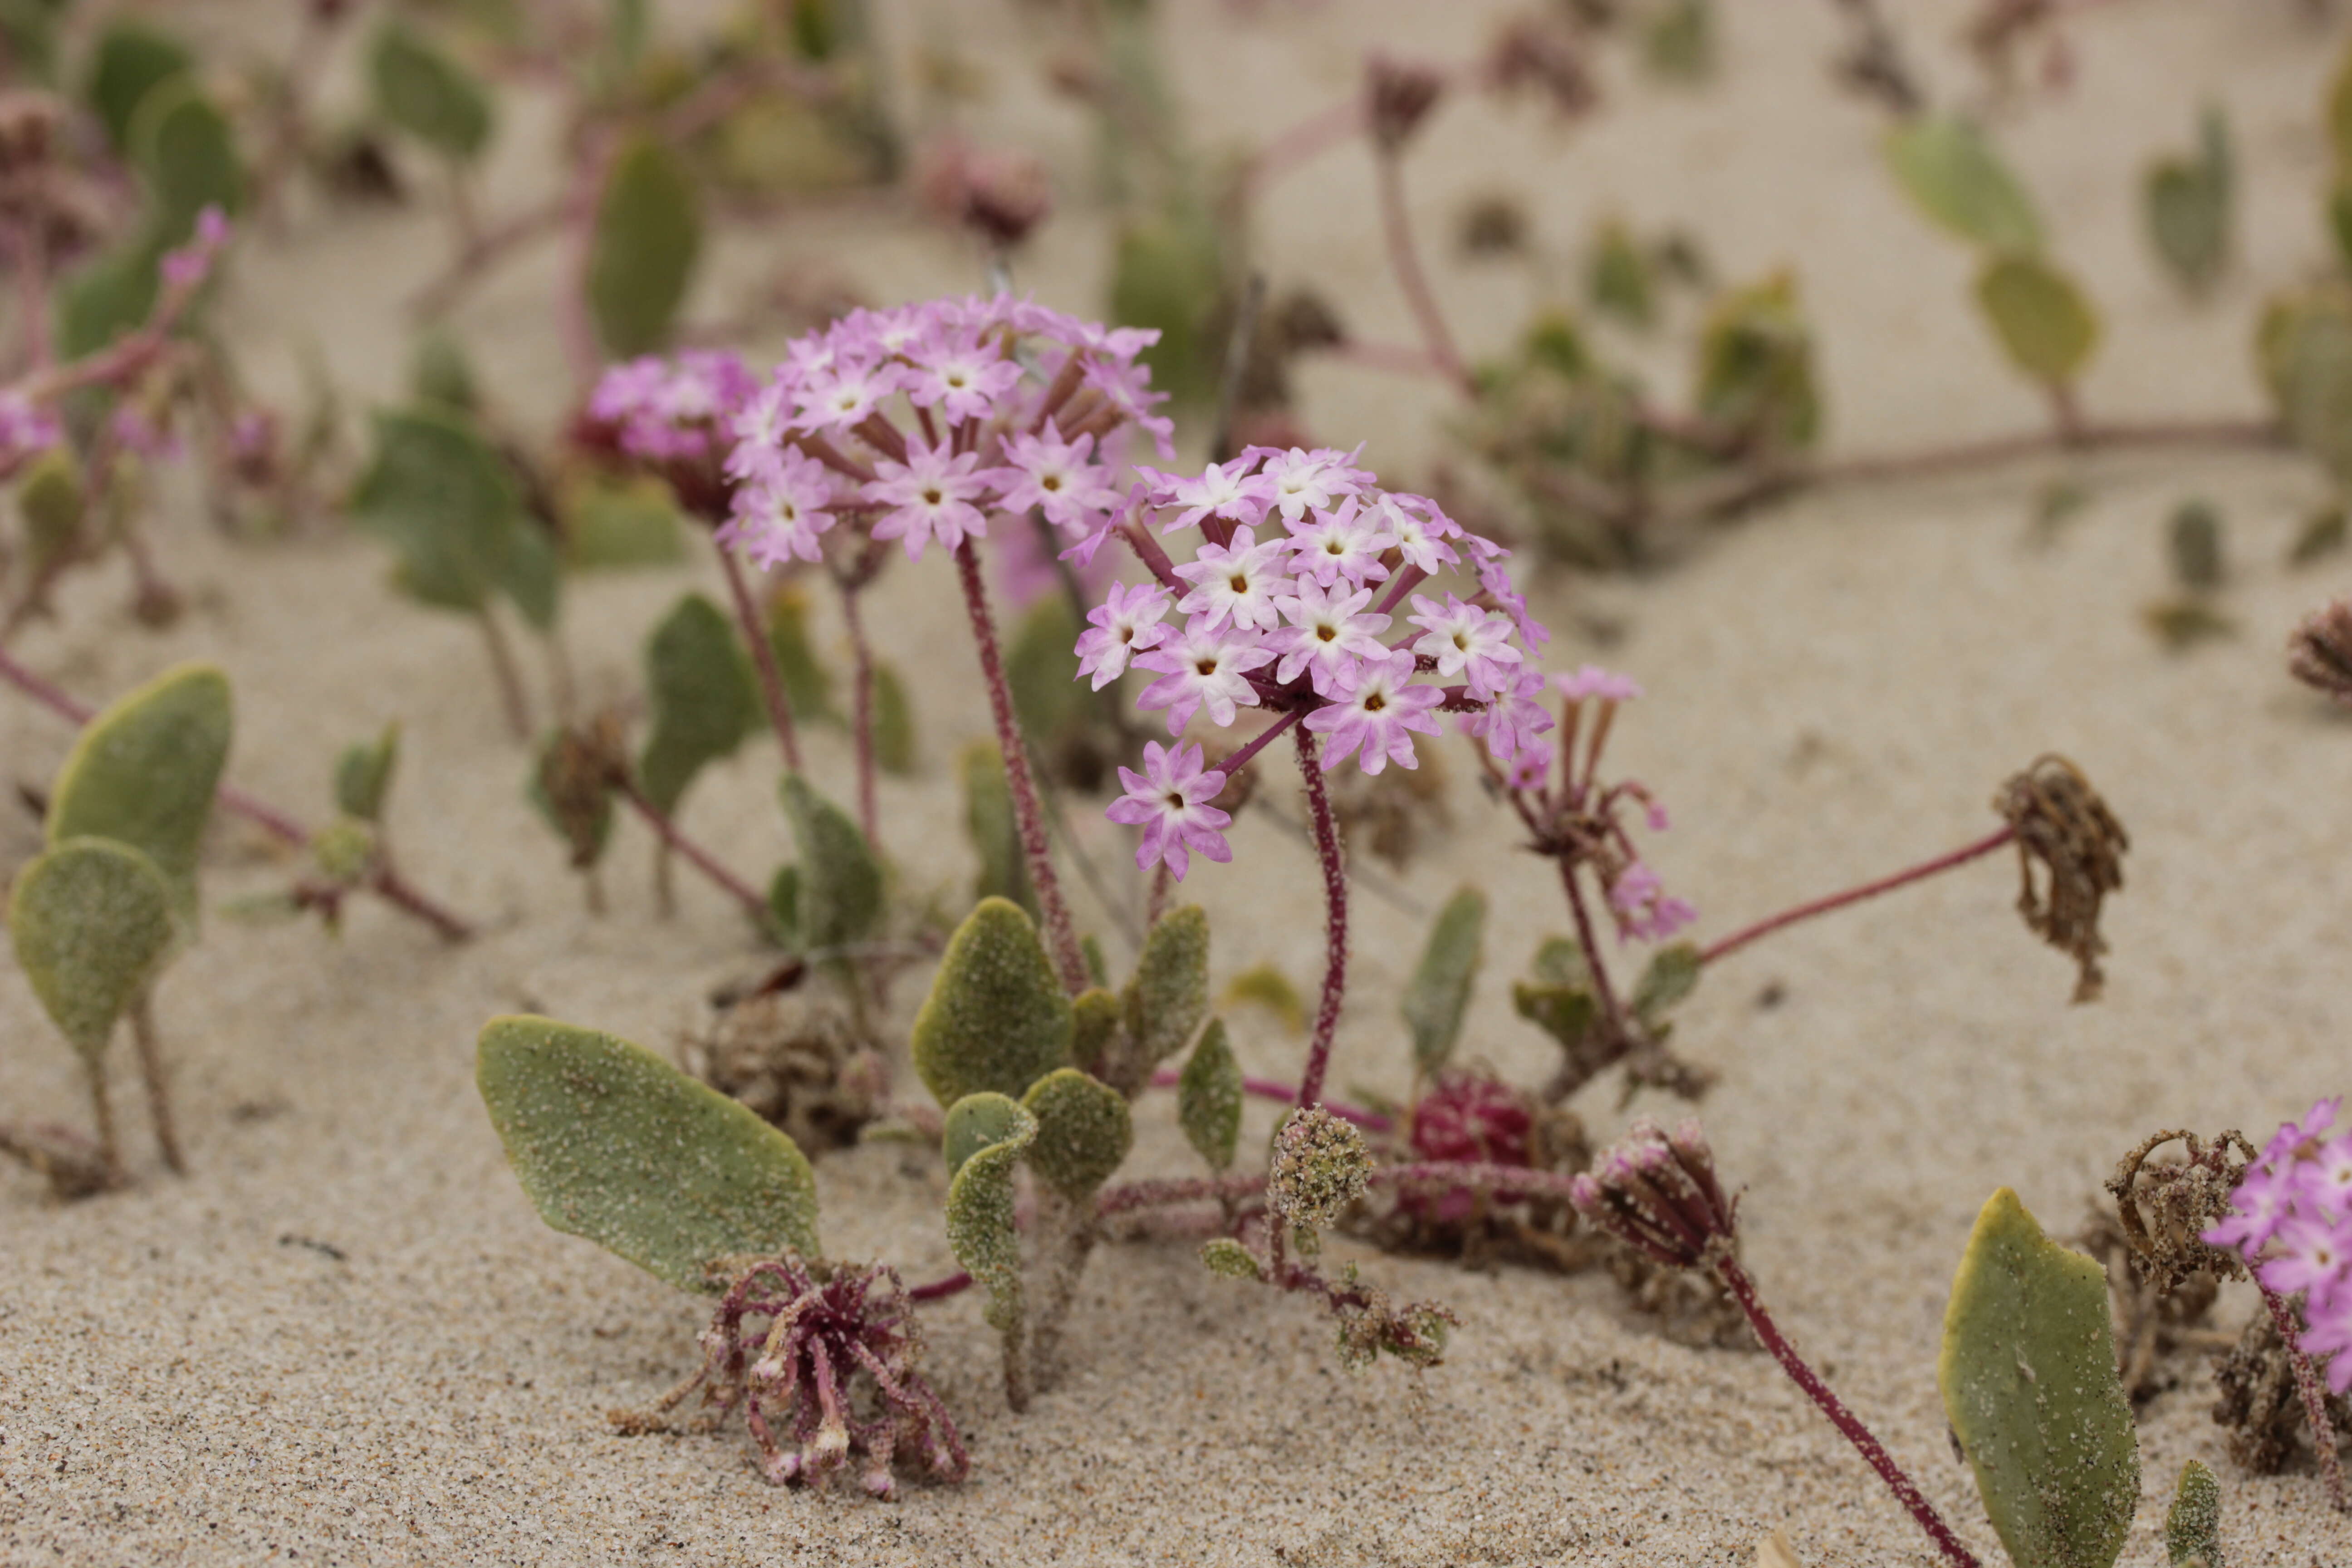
point(974, 1122)
point(1083, 1131)
point(980, 1214)
point(130, 61)
point(2028, 1374)
point(186, 153)
point(1439, 993)
point(143, 773)
point(1945, 164)
point(420, 90)
point(996, 1018)
point(699, 685)
point(1168, 995)
point(442, 499)
point(1209, 1098)
point(840, 881)
point(615, 1145)
point(641, 257)
point(2039, 316)
point(92, 922)
point(363, 776)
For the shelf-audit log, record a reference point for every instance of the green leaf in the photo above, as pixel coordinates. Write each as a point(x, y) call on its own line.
point(698, 687)
point(641, 254)
point(131, 60)
point(185, 151)
point(807, 684)
point(994, 832)
point(2323, 533)
point(996, 1018)
point(53, 500)
point(1167, 996)
point(1266, 986)
point(1094, 1016)
point(1618, 277)
point(92, 922)
point(1083, 1131)
point(1948, 167)
point(893, 724)
point(2042, 319)
point(143, 772)
point(785, 905)
point(2192, 1528)
point(439, 372)
point(615, 1145)
point(1559, 962)
point(840, 881)
point(2188, 202)
point(445, 501)
point(1167, 272)
point(1438, 991)
point(1755, 364)
point(621, 523)
point(1229, 1259)
point(2028, 1374)
point(109, 295)
point(2303, 349)
point(422, 91)
point(1671, 975)
point(1209, 1098)
point(1679, 42)
point(1566, 1012)
point(526, 570)
point(977, 1121)
point(981, 1205)
point(2194, 541)
point(1040, 668)
point(363, 776)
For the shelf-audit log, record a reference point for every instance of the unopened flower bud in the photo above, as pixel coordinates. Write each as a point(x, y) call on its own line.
point(1398, 97)
point(2319, 653)
point(1320, 1166)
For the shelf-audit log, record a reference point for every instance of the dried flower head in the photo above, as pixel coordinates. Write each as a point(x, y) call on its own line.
point(1656, 1191)
point(2319, 653)
point(2165, 1210)
point(1398, 97)
point(797, 1058)
point(2062, 822)
point(1320, 1166)
point(791, 1342)
point(1000, 196)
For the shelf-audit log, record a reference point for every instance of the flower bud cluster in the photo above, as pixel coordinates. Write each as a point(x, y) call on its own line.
point(1657, 1192)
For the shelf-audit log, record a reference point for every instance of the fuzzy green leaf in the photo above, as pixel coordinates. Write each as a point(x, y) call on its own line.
point(1755, 364)
point(438, 494)
point(422, 91)
point(439, 371)
point(785, 905)
point(613, 1143)
point(2188, 202)
point(1438, 991)
point(995, 832)
point(1269, 987)
point(185, 151)
point(1095, 1016)
point(1229, 1259)
point(1040, 668)
point(53, 500)
point(131, 60)
point(1083, 1131)
point(2028, 1374)
point(1167, 996)
point(363, 776)
point(1618, 277)
point(620, 523)
point(143, 772)
point(2041, 317)
point(1673, 974)
point(1168, 273)
point(1209, 1098)
point(2192, 1528)
point(2193, 538)
point(92, 922)
point(108, 296)
point(840, 879)
point(2303, 349)
point(807, 684)
point(1566, 1012)
point(1948, 168)
point(996, 1018)
point(977, 1120)
point(641, 256)
point(698, 686)
point(980, 1210)
point(893, 724)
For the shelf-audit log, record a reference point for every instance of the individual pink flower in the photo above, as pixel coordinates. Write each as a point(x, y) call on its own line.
point(1464, 638)
point(1329, 635)
point(1205, 667)
point(1348, 543)
point(1512, 721)
point(1125, 385)
point(1238, 581)
point(26, 430)
point(1124, 624)
point(1319, 479)
point(1375, 723)
point(841, 396)
point(1055, 476)
point(931, 495)
point(1229, 491)
point(1642, 908)
point(2311, 1252)
point(1170, 801)
point(1495, 581)
point(781, 512)
point(1591, 680)
point(1419, 540)
point(961, 376)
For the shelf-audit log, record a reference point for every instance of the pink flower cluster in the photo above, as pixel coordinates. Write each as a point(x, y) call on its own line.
point(675, 410)
point(926, 420)
point(1299, 563)
point(2292, 1220)
point(26, 430)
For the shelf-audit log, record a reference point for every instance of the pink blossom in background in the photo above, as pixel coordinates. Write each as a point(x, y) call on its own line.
point(2291, 1219)
point(1642, 908)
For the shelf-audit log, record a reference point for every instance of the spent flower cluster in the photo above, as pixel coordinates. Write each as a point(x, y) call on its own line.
point(2292, 1220)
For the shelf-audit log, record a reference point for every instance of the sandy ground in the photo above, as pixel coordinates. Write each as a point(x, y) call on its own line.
point(347, 1338)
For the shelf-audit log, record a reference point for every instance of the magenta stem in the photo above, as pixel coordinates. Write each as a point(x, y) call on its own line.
point(1335, 921)
point(1271, 1089)
point(1960, 856)
point(861, 714)
point(1735, 1279)
point(2314, 1404)
point(763, 657)
point(694, 855)
point(1505, 1181)
point(1191, 1190)
point(1590, 943)
point(1240, 759)
point(941, 1289)
point(1061, 937)
point(385, 882)
point(1406, 263)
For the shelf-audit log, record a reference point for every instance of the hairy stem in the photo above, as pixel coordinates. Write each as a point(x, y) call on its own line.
point(1609, 1006)
point(1805, 911)
point(694, 853)
point(2314, 1403)
point(1061, 937)
point(159, 1089)
point(509, 675)
point(1735, 1279)
point(1335, 921)
point(101, 1114)
point(385, 882)
point(1405, 262)
point(1270, 1088)
point(861, 714)
point(763, 657)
